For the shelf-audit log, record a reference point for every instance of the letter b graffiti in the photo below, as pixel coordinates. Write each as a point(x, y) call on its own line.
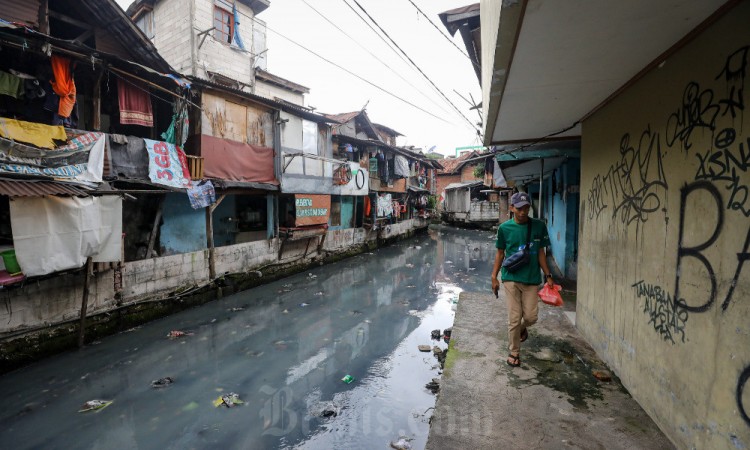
point(696, 251)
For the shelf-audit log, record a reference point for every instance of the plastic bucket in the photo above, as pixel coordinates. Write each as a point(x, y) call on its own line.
point(9, 258)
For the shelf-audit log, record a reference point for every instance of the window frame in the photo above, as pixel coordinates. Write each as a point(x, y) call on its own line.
point(226, 19)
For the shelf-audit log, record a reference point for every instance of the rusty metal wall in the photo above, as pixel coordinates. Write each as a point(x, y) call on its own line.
point(26, 11)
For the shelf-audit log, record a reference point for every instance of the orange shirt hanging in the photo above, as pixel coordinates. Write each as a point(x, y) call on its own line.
point(63, 85)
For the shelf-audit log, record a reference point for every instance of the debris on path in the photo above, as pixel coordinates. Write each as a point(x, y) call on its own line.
point(95, 405)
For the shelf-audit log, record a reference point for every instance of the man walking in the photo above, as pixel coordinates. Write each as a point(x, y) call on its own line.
point(521, 284)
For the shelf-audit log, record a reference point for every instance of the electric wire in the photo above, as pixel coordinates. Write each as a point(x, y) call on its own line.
point(373, 55)
point(443, 33)
point(388, 44)
point(382, 89)
point(413, 63)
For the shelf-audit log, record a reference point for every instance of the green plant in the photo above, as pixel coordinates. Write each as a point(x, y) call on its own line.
point(479, 171)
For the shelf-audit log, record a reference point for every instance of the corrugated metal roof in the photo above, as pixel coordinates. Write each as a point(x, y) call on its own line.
point(40, 188)
point(452, 165)
point(108, 14)
point(286, 107)
point(343, 117)
point(463, 184)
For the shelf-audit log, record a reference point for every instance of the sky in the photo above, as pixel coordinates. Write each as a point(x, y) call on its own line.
point(333, 90)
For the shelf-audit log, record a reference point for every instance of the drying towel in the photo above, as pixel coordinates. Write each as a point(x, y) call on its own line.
point(32, 133)
point(10, 85)
point(63, 85)
point(135, 104)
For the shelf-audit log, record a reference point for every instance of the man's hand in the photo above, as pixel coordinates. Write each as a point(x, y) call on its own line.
point(499, 256)
point(550, 281)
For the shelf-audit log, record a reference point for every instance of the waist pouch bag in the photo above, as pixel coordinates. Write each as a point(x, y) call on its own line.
point(520, 258)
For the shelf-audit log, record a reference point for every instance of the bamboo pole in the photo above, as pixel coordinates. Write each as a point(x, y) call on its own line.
point(85, 301)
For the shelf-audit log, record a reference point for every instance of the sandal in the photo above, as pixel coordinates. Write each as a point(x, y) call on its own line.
point(524, 334)
point(513, 360)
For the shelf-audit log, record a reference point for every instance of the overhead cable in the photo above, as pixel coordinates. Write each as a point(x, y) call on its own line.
point(443, 33)
point(372, 54)
point(352, 73)
point(413, 63)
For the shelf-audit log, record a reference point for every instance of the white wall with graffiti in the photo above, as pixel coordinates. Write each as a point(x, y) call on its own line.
point(664, 258)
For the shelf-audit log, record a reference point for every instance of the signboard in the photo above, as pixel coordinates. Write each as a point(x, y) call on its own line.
point(311, 209)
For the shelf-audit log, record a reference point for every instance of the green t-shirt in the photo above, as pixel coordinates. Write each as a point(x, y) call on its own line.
point(511, 237)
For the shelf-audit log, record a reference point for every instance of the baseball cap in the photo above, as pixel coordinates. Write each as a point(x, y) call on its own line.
point(520, 199)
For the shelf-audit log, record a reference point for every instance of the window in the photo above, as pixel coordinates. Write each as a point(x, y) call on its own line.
point(335, 211)
point(224, 24)
point(146, 23)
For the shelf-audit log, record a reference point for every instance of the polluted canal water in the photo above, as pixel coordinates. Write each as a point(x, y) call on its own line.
point(323, 359)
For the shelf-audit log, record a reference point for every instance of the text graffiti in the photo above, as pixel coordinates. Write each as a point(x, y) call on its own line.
point(667, 318)
point(633, 185)
point(696, 251)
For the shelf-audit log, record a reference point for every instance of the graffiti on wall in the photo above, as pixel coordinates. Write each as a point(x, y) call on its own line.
point(632, 187)
point(743, 381)
point(706, 125)
point(667, 318)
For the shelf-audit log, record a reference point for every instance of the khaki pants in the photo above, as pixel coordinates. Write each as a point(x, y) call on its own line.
point(523, 310)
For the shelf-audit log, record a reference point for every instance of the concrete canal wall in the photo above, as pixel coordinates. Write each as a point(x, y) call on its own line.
point(41, 317)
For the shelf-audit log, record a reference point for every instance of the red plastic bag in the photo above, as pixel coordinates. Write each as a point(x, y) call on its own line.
point(551, 295)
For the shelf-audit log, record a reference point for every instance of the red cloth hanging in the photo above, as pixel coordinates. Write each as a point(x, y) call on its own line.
point(367, 206)
point(63, 85)
point(135, 104)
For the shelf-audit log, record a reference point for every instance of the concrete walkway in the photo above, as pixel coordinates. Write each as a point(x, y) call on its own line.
point(553, 401)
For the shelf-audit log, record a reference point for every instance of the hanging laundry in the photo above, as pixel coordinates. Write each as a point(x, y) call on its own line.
point(385, 205)
point(38, 134)
point(10, 85)
point(202, 195)
point(63, 85)
point(383, 172)
point(179, 126)
point(401, 169)
point(135, 104)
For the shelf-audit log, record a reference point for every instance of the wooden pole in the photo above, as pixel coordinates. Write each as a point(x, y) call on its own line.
point(541, 187)
point(210, 237)
point(97, 101)
point(155, 228)
point(85, 301)
point(44, 17)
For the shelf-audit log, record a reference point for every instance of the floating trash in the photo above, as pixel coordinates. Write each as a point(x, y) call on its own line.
point(190, 406)
point(319, 293)
point(424, 348)
point(311, 275)
point(401, 444)
point(95, 405)
point(433, 386)
point(328, 413)
point(285, 311)
point(435, 334)
point(162, 382)
point(303, 304)
point(409, 265)
point(239, 308)
point(229, 400)
point(174, 334)
point(347, 379)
